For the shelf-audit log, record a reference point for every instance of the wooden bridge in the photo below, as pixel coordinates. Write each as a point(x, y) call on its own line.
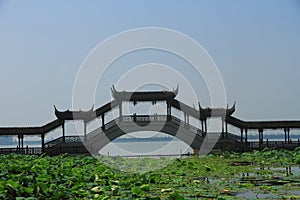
point(194, 136)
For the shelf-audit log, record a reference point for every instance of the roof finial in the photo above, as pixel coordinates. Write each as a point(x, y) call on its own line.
point(176, 90)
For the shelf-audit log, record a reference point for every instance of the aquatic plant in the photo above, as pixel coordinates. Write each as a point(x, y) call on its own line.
point(222, 175)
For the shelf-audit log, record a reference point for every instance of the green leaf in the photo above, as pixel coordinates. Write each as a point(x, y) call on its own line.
point(137, 191)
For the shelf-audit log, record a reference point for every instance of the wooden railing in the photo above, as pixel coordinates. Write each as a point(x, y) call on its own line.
point(150, 118)
point(274, 144)
point(66, 139)
point(27, 150)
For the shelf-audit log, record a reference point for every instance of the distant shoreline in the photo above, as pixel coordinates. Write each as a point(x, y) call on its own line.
point(6, 142)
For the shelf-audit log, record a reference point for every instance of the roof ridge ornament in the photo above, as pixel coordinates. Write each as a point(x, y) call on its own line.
point(71, 115)
point(176, 90)
point(216, 112)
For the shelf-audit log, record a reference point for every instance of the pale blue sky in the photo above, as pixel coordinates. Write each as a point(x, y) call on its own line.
point(255, 45)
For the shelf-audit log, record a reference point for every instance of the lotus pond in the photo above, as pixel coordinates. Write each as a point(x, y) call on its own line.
point(268, 174)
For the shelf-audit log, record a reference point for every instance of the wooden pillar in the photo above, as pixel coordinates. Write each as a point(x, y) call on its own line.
point(242, 134)
point(19, 143)
point(246, 135)
point(63, 132)
point(103, 123)
point(202, 128)
point(187, 119)
point(84, 130)
point(120, 110)
point(288, 132)
point(205, 125)
point(22, 142)
point(226, 128)
point(260, 135)
point(43, 142)
point(222, 128)
point(169, 111)
point(285, 138)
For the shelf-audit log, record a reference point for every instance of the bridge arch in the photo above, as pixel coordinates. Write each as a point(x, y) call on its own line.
point(145, 143)
point(191, 136)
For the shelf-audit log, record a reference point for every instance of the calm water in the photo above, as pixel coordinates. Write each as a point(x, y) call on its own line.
point(136, 148)
point(146, 148)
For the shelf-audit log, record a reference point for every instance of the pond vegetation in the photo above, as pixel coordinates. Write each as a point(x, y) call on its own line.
point(267, 174)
